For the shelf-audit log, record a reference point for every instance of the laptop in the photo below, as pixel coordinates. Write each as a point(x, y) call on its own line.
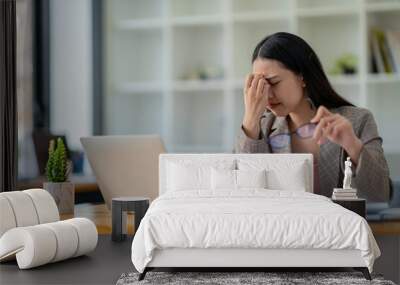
point(125, 165)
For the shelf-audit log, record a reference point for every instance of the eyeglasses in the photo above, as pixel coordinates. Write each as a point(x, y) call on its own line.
point(281, 140)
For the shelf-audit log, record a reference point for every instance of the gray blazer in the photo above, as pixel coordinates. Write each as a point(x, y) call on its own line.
point(370, 176)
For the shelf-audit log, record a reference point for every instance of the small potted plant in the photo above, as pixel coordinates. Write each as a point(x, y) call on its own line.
point(57, 171)
point(345, 64)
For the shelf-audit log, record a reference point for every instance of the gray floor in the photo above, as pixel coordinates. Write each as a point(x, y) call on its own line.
point(102, 266)
point(111, 259)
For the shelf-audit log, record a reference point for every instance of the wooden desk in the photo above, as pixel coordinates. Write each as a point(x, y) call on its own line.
point(391, 228)
point(97, 213)
point(86, 188)
point(101, 216)
point(82, 183)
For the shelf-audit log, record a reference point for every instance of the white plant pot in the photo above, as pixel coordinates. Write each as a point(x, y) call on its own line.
point(63, 194)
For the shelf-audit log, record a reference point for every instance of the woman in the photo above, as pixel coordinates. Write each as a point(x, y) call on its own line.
point(290, 106)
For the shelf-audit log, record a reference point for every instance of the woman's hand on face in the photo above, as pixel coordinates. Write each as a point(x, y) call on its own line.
point(255, 100)
point(337, 129)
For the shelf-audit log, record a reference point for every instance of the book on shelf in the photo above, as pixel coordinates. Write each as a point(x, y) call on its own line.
point(385, 50)
point(344, 194)
point(344, 197)
point(333, 198)
point(344, 191)
point(393, 40)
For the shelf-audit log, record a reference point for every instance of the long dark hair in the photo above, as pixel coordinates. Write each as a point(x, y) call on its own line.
point(296, 55)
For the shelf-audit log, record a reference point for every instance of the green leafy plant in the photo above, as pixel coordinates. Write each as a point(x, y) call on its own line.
point(345, 64)
point(57, 167)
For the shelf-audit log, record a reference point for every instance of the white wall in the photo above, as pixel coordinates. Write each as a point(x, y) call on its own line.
point(71, 69)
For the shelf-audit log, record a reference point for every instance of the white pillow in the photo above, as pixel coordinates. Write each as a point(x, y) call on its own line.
point(223, 179)
point(288, 179)
point(251, 178)
point(237, 179)
point(281, 174)
point(186, 175)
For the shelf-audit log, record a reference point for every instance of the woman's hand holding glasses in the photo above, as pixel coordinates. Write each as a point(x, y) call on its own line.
point(255, 101)
point(337, 129)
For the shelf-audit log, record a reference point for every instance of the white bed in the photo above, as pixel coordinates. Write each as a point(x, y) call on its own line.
point(197, 224)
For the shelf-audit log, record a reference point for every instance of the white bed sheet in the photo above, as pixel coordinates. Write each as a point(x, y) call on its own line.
point(250, 218)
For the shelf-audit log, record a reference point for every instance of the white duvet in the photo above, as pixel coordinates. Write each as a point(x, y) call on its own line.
point(250, 218)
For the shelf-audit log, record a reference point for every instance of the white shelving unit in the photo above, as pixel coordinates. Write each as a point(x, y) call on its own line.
point(153, 48)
